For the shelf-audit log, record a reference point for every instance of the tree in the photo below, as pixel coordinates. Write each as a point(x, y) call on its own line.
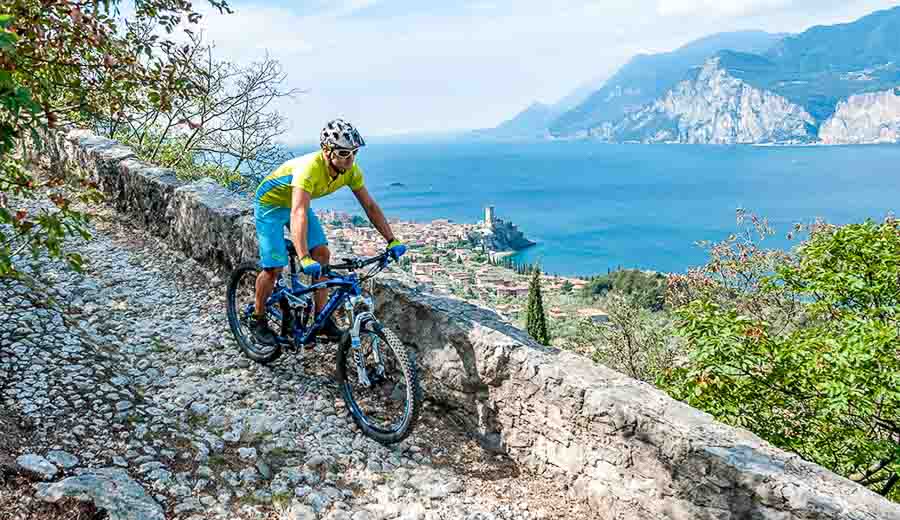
point(634, 341)
point(65, 62)
point(224, 127)
point(647, 290)
point(358, 221)
point(535, 319)
point(801, 347)
point(566, 287)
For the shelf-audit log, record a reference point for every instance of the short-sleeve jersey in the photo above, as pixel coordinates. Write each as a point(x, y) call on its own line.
point(309, 172)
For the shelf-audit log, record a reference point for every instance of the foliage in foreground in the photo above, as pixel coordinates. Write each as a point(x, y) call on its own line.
point(801, 348)
point(66, 62)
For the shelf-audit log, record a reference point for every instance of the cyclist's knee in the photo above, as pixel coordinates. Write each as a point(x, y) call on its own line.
point(321, 254)
point(270, 274)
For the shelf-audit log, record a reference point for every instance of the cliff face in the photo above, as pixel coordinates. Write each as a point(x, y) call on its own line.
point(646, 78)
point(829, 84)
point(864, 118)
point(717, 108)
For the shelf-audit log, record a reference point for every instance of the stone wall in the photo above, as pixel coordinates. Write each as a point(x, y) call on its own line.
point(626, 448)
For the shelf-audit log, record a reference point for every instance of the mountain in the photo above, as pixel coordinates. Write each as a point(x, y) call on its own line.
point(648, 76)
point(530, 123)
point(534, 120)
point(833, 84)
point(713, 107)
point(580, 94)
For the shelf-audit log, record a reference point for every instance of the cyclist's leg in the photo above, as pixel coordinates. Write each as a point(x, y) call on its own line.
point(318, 249)
point(273, 254)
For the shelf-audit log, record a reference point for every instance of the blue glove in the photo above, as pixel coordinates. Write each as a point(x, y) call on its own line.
point(311, 267)
point(396, 249)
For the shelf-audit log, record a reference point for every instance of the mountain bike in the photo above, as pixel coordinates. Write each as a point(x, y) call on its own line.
point(376, 375)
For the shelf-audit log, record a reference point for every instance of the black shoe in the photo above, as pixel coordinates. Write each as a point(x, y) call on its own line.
point(262, 333)
point(330, 330)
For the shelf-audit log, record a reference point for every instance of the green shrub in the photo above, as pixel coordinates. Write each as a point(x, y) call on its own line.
point(805, 354)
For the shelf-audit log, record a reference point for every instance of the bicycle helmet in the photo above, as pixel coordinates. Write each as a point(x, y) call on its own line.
point(340, 134)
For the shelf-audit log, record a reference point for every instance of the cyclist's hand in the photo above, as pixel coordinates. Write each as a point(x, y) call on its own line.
point(311, 267)
point(396, 249)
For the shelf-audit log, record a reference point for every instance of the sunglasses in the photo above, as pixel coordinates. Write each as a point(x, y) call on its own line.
point(343, 153)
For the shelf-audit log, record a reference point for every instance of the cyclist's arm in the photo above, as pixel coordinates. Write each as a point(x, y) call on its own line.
point(299, 206)
point(376, 217)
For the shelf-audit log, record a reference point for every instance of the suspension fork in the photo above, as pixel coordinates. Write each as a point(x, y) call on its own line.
point(360, 320)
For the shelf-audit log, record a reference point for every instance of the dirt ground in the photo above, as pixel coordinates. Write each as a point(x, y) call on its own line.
point(17, 500)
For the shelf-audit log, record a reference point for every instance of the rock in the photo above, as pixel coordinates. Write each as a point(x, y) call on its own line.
point(300, 512)
point(61, 458)
point(199, 409)
point(713, 106)
point(188, 505)
point(264, 470)
point(110, 489)
point(247, 453)
point(153, 465)
point(317, 461)
point(37, 465)
point(318, 501)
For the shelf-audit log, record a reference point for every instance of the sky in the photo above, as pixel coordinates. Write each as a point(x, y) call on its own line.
point(407, 66)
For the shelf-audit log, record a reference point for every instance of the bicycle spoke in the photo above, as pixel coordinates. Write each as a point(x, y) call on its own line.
point(383, 404)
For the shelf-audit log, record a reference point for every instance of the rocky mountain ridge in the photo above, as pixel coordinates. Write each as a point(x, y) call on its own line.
point(834, 84)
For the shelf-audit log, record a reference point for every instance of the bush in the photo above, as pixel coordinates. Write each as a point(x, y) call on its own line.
point(802, 348)
point(635, 341)
point(64, 63)
point(645, 289)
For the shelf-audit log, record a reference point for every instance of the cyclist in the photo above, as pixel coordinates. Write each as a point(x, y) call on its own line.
point(283, 198)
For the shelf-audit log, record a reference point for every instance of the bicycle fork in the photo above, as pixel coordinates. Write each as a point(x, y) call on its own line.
point(365, 319)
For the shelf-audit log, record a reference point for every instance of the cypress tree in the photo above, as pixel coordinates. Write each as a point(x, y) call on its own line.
point(535, 320)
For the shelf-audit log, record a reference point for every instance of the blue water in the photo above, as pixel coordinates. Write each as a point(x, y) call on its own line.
point(593, 206)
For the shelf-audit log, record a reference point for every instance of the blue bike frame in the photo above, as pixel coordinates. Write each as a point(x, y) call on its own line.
point(347, 285)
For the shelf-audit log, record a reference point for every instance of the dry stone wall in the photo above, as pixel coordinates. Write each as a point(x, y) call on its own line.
point(623, 446)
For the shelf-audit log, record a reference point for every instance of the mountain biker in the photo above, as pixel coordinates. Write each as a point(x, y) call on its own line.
point(283, 197)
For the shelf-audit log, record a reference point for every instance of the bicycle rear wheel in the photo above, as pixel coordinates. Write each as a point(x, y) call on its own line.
point(240, 298)
point(388, 408)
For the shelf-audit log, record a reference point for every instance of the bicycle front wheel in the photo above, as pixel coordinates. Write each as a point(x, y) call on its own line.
point(379, 384)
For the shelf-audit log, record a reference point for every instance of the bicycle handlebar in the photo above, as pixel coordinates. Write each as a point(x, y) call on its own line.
point(352, 264)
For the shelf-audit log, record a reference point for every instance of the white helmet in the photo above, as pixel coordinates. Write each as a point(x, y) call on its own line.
point(340, 134)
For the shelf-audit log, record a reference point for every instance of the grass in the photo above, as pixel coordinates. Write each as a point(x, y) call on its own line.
point(281, 499)
point(197, 421)
point(156, 345)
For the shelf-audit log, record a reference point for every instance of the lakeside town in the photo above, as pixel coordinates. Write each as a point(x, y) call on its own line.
point(459, 259)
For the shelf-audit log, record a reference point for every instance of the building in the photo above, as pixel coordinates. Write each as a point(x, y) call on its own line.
point(426, 268)
point(512, 292)
point(556, 313)
point(596, 315)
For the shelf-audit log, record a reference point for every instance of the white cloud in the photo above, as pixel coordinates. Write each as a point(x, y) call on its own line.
point(246, 34)
point(482, 6)
point(717, 7)
point(349, 7)
point(405, 65)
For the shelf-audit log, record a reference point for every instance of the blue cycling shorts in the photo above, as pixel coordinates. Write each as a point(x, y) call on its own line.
point(270, 222)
